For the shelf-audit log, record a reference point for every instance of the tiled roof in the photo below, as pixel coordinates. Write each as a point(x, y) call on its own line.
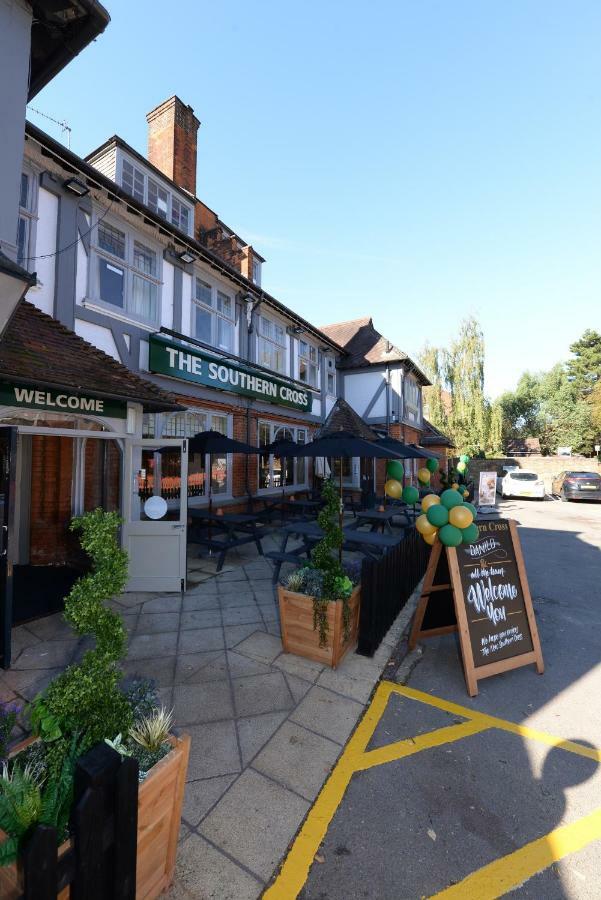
point(365, 346)
point(343, 417)
point(36, 349)
point(432, 437)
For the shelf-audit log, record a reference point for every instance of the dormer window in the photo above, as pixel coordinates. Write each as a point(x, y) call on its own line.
point(256, 272)
point(155, 196)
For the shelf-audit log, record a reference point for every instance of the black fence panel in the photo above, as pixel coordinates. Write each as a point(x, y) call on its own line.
point(100, 861)
point(386, 585)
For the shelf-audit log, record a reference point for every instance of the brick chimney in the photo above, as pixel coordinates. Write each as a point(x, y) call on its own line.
point(172, 131)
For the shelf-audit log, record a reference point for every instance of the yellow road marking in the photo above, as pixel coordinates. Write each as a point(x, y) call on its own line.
point(510, 871)
point(485, 884)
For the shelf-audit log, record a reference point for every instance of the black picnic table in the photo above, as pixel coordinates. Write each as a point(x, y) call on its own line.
point(367, 542)
point(236, 529)
point(378, 519)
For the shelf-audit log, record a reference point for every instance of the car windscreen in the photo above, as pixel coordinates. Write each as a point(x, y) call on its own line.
point(586, 475)
point(523, 476)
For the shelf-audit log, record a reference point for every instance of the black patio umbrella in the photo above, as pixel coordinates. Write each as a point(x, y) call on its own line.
point(345, 445)
point(282, 448)
point(405, 451)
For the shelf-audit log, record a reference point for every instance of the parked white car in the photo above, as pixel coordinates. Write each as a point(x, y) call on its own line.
point(519, 483)
point(501, 473)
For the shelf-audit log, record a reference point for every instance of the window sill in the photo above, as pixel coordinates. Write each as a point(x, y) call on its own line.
point(86, 303)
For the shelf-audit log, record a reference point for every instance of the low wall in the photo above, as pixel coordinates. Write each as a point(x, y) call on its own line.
point(548, 467)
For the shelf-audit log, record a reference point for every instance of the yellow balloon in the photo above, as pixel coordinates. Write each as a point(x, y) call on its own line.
point(454, 485)
point(466, 494)
point(423, 476)
point(423, 526)
point(428, 501)
point(461, 517)
point(431, 538)
point(393, 488)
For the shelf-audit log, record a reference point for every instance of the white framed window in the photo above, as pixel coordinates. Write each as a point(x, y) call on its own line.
point(213, 315)
point(148, 190)
point(331, 376)
point(411, 393)
point(256, 273)
point(282, 472)
point(186, 425)
point(308, 363)
point(271, 345)
point(27, 220)
point(127, 272)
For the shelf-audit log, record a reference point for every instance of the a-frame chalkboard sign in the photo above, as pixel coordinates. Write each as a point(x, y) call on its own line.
point(481, 591)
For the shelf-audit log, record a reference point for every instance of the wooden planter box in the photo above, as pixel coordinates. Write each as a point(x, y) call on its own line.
point(299, 636)
point(160, 799)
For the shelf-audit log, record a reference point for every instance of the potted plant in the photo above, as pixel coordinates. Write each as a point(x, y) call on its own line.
point(87, 704)
point(319, 603)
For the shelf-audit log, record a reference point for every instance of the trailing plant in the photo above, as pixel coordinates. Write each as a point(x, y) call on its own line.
point(85, 698)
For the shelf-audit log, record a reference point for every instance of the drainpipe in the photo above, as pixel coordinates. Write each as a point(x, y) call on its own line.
point(388, 400)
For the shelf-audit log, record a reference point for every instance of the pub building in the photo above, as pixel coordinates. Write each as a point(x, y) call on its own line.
point(133, 266)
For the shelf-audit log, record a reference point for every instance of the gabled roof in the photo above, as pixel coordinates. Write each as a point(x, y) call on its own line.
point(365, 347)
point(343, 417)
point(433, 437)
point(36, 348)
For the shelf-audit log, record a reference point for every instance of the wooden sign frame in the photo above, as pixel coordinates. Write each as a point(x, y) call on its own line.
point(473, 673)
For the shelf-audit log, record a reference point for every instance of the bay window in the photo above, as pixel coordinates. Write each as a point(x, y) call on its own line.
point(308, 368)
point(272, 345)
point(213, 316)
point(279, 472)
point(128, 273)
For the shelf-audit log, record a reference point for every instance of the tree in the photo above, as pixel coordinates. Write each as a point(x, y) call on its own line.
point(584, 370)
point(432, 361)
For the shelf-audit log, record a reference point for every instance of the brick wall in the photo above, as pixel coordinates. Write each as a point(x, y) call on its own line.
point(172, 141)
point(51, 543)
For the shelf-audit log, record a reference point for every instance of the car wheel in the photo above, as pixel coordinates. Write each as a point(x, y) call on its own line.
point(563, 497)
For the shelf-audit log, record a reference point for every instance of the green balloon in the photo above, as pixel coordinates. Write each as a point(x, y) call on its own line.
point(451, 498)
point(432, 465)
point(470, 534)
point(438, 515)
point(464, 458)
point(450, 536)
point(410, 495)
point(394, 469)
point(461, 466)
point(471, 508)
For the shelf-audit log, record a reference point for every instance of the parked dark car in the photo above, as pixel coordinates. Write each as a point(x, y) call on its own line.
point(577, 486)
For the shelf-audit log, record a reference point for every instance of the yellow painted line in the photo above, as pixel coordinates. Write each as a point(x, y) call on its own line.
point(494, 722)
point(406, 747)
point(510, 871)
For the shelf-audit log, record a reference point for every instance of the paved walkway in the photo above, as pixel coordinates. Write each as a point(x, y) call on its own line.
point(266, 727)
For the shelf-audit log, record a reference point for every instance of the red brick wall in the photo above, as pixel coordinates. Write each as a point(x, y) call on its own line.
point(102, 475)
point(51, 543)
point(172, 140)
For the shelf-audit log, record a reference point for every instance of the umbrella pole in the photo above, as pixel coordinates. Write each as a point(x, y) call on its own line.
point(210, 500)
point(340, 506)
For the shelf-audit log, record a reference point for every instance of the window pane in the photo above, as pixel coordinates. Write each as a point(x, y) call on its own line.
point(202, 325)
point(224, 304)
point(264, 458)
point(111, 283)
point(149, 425)
point(219, 423)
point(185, 219)
point(204, 293)
point(111, 239)
point(22, 235)
point(225, 335)
point(264, 354)
point(144, 259)
point(218, 473)
point(24, 195)
point(157, 199)
point(184, 425)
point(144, 299)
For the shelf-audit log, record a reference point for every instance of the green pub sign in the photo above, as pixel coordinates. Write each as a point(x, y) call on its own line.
point(178, 361)
point(60, 401)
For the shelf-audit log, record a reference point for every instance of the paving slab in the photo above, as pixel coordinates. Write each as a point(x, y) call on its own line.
point(296, 665)
point(242, 615)
point(46, 655)
point(328, 714)
point(194, 640)
point(235, 634)
point(171, 603)
point(258, 694)
point(195, 601)
point(254, 822)
point(255, 731)
point(298, 759)
point(261, 646)
point(193, 668)
point(200, 618)
point(159, 670)
point(157, 623)
point(213, 750)
point(204, 873)
point(208, 702)
point(240, 665)
point(202, 795)
point(152, 646)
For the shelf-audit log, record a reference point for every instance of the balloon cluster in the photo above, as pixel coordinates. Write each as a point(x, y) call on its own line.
point(448, 518)
point(457, 478)
point(394, 486)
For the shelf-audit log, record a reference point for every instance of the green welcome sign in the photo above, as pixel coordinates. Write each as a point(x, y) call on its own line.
point(179, 361)
point(61, 401)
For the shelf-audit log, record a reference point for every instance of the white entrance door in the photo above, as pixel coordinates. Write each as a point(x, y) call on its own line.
point(155, 530)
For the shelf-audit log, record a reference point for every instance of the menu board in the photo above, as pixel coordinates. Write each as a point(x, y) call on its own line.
point(494, 599)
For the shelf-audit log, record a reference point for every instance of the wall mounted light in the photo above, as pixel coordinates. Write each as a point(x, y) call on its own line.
point(186, 256)
point(76, 187)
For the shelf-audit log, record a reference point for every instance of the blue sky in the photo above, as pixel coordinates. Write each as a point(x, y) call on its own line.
point(417, 162)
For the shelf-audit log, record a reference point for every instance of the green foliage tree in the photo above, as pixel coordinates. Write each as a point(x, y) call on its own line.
point(85, 699)
point(584, 370)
